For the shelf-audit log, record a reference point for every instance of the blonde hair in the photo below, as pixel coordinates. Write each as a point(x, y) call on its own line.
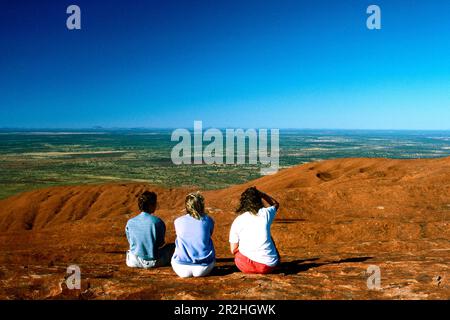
point(195, 205)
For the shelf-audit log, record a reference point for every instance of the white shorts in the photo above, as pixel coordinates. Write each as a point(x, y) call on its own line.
point(192, 270)
point(133, 261)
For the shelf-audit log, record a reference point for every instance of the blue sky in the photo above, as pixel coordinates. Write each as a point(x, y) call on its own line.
point(278, 64)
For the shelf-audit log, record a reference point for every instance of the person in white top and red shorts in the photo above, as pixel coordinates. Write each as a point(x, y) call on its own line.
point(250, 239)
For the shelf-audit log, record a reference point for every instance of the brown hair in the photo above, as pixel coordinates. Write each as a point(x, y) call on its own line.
point(250, 201)
point(147, 201)
point(195, 205)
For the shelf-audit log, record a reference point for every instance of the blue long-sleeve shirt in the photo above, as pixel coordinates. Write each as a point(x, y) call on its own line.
point(145, 233)
point(193, 244)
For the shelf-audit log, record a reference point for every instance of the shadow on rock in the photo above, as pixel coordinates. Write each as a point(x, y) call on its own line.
point(297, 266)
point(224, 270)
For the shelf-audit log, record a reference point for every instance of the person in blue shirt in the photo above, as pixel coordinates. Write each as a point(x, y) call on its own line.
point(145, 234)
point(194, 249)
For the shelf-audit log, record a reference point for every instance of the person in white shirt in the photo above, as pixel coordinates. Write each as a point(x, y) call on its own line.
point(250, 239)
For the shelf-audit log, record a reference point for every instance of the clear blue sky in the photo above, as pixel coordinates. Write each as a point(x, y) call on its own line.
point(279, 64)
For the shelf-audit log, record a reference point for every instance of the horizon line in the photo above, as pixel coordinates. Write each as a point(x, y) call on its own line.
point(97, 128)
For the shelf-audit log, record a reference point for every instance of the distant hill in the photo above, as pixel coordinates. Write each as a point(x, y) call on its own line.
point(319, 190)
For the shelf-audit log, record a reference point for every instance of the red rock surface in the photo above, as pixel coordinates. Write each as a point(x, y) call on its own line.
point(337, 217)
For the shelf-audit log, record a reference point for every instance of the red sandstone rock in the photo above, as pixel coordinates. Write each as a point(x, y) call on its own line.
point(337, 217)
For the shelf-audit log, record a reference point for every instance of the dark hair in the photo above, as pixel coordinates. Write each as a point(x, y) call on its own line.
point(250, 201)
point(146, 201)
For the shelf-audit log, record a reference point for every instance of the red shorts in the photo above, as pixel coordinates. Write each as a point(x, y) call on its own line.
point(249, 266)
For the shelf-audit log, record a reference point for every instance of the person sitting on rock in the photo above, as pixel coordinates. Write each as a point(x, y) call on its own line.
point(194, 249)
point(145, 234)
point(250, 239)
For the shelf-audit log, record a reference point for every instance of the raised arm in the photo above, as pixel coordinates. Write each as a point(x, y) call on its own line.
point(271, 201)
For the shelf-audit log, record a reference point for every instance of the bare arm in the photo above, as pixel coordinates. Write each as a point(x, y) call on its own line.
point(271, 201)
point(234, 247)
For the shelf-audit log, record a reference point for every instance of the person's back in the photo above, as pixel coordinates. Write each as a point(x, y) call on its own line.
point(250, 239)
point(193, 244)
point(252, 232)
point(145, 234)
point(194, 249)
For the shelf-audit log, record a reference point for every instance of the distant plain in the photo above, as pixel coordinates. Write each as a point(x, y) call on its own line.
point(32, 159)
